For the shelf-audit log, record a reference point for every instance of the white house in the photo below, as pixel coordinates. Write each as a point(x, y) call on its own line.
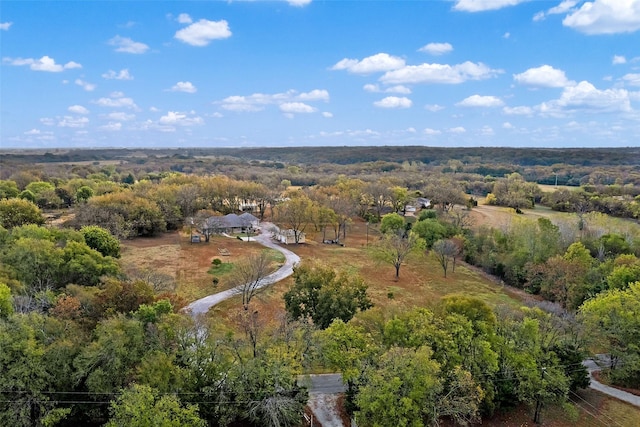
point(289, 236)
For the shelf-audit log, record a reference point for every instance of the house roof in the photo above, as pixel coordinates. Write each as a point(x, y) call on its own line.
point(230, 221)
point(248, 217)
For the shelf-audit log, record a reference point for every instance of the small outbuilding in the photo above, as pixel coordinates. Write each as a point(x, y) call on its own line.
point(288, 237)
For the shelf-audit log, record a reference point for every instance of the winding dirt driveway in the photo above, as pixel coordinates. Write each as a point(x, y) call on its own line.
point(203, 305)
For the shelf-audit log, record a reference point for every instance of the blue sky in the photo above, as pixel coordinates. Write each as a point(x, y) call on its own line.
point(309, 72)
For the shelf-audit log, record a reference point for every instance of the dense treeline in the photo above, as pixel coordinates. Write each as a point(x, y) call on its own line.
point(350, 155)
point(310, 165)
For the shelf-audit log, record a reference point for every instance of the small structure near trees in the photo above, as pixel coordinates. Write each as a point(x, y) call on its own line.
point(290, 236)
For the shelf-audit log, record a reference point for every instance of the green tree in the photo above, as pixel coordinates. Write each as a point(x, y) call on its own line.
point(393, 249)
point(347, 348)
point(323, 295)
point(108, 363)
point(8, 189)
point(85, 266)
point(16, 212)
point(626, 270)
point(392, 223)
point(101, 240)
point(142, 406)
point(24, 375)
point(84, 193)
point(613, 317)
point(27, 195)
point(430, 230)
point(6, 301)
point(401, 390)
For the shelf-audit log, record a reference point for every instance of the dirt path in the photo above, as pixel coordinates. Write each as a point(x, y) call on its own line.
point(203, 305)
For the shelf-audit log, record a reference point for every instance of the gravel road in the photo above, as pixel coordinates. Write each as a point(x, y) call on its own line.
point(203, 305)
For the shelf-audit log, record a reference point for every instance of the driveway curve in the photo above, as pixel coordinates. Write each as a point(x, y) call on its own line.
point(595, 365)
point(203, 305)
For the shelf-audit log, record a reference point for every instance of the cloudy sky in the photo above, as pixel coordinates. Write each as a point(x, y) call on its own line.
point(320, 72)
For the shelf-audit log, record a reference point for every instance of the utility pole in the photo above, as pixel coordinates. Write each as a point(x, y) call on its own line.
point(367, 233)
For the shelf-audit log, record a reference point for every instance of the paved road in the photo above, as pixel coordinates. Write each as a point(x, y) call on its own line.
point(593, 366)
point(324, 383)
point(323, 397)
point(203, 305)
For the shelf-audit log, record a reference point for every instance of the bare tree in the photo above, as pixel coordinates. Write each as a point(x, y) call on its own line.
point(158, 281)
point(249, 276)
point(446, 251)
point(252, 325)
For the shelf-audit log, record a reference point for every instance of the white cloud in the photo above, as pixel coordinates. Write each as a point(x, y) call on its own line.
point(78, 109)
point(73, 122)
point(184, 18)
point(89, 87)
point(487, 131)
point(47, 121)
point(296, 107)
point(203, 32)
point(605, 17)
point(618, 59)
point(327, 114)
point(33, 132)
point(585, 97)
point(299, 3)
point(433, 107)
point(480, 101)
point(482, 5)
point(393, 89)
point(518, 111)
point(120, 75)
point(112, 126)
point(315, 95)
point(457, 130)
point(241, 104)
point(175, 118)
point(632, 79)
point(437, 48)
point(429, 131)
point(119, 116)
point(4, 26)
point(45, 63)
point(117, 100)
point(506, 35)
point(258, 101)
point(439, 73)
point(544, 76)
point(379, 62)
point(187, 87)
point(394, 102)
point(507, 125)
point(563, 7)
point(126, 45)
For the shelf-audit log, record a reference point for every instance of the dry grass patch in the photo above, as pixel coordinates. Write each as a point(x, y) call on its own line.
point(188, 263)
